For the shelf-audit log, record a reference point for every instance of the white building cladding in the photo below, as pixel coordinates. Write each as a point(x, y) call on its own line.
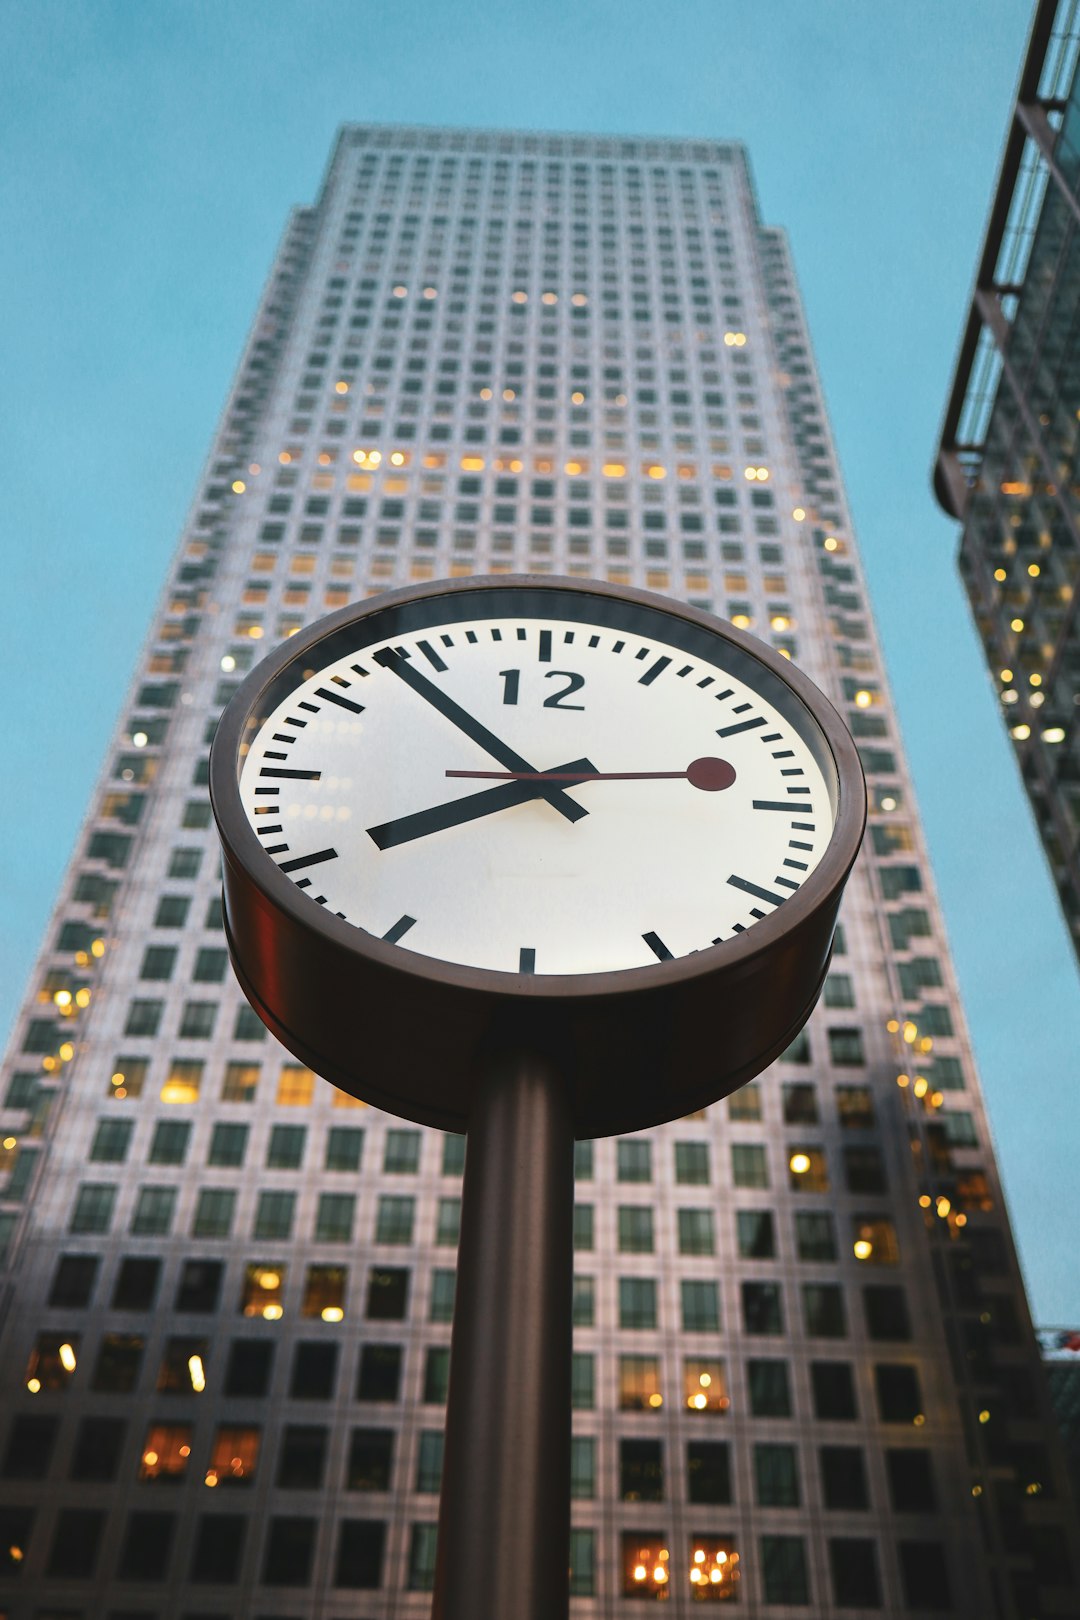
point(802, 1348)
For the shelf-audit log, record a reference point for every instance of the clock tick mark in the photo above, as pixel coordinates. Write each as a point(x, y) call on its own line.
point(447, 641)
point(773, 736)
point(803, 826)
point(401, 927)
point(471, 637)
point(522, 635)
point(312, 708)
point(653, 671)
point(741, 725)
point(706, 682)
point(594, 641)
point(496, 635)
point(618, 646)
point(756, 890)
point(741, 708)
point(268, 832)
point(644, 653)
point(298, 863)
point(432, 656)
point(786, 883)
point(568, 637)
point(358, 669)
point(687, 669)
point(276, 849)
point(726, 693)
point(291, 720)
point(527, 959)
point(293, 776)
point(657, 946)
point(281, 737)
point(545, 647)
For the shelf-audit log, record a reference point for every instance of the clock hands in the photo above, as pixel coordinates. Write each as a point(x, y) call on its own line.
point(398, 665)
point(518, 790)
point(710, 775)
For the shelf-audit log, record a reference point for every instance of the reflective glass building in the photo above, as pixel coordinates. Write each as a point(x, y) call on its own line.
point(805, 1380)
point(1009, 461)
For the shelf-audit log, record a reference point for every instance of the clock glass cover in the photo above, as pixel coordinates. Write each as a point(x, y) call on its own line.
point(539, 779)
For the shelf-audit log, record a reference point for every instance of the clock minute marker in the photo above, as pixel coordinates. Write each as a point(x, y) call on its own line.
point(527, 959)
point(756, 890)
point(658, 948)
point(336, 697)
point(301, 861)
point(400, 928)
point(741, 725)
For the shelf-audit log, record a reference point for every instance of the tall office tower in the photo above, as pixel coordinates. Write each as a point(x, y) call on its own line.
point(1008, 464)
point(805, 1378)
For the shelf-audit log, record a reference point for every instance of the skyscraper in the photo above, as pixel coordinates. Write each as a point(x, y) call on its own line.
point(1008, 464)
point(804, 1371)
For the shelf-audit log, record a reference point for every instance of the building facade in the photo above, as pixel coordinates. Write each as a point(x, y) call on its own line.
point(1008, 464)
point(805, 1379)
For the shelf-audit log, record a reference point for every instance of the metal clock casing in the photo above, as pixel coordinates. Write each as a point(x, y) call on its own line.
point(670, 1021)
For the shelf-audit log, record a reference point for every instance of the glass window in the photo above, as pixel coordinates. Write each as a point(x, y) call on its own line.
point(394, 1219)
point(166, 1453)
point(274, 1214)
point(823, 1310)
point(422, 1542)
point(708, 1472)
point(401, 1154)
point(886, 1310)
point(228, 1145)
point(769, 1389)
point(73, 1280)
point(286, 1148)
point(854, 1569)
point(112, 1138)
point(233, 1456)
point(240, 1082)
point(583, 1161)
point(429, 1462)
point(314, 1371)
point(183, 1082)
point(296, 1085)
point(700, 1306)
point(388, 1294)
point(582, 1563)
point(692, 1164)
point(379, 1377)
point(744, 1105)
point(582, 1381)
point(855, 1108)
point(371, 1460)
point(846, 1048)
point(833, 1386)
point(183, 1367)
point(911, 1481)
point(749, 1166)
point(755, 1234)
point(714, 1569)
point(641, 1471)
point(776, 1475)
point(436, 1374)
point(30, 1445)
point(582, 1466)
point(898, 1394)
point(344, 1147)
point(169, 1143)
point(249, 1367)
point(263, 1290)
point(334, 1217)
point(705, 1386)
point(453, 1154)
point(843, 1478)
point(864, 1169)
point(873, 1240)
point(302, 1458)
point(646, 1565)
point(800, 1104)
point(924, 1575)
point(815, 1235)
point(154, 1209)
point(290, 1549)
point(448, 1222)
point(197, 1020)
point(637, 1302)
point(214, 1211)
point(633, 1160)
point(639, 1384)
point(199, 1285)
point(584, 1307)
point(635, 1225)
point(118, 1362)
point(583, 1226)
point(808, 1170)
point(76, 1543)
point(784, 1576)
point(98, 1446)
point(443, 1285)
point(762, 1307)
point(324, 1293)
point(136, 1284)
point(93, 1209)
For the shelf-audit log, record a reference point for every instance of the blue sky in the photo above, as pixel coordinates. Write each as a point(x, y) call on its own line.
point(151, 153)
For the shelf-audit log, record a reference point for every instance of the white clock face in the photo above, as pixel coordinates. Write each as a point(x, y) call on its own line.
point(593, 790)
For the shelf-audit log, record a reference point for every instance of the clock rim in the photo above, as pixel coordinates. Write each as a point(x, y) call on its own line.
point(240, 842)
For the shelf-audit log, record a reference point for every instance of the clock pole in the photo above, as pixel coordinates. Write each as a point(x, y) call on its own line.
point(504, 1512)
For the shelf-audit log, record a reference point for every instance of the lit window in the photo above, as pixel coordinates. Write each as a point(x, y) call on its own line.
point(263, 1290)
point(183, 1082)
point(639, 1384)
point(165, 1452)
point(296, 1086)
point(233, 1457)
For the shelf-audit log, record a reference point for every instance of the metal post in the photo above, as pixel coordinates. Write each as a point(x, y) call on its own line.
point(504, 1513)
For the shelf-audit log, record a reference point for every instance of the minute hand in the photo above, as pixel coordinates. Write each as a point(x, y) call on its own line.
point(555, 796)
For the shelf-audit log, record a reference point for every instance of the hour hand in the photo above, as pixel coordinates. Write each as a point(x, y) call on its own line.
point(392, 660)
point(474, 805)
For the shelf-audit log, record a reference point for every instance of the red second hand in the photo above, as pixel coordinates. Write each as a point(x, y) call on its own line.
point(710, 775)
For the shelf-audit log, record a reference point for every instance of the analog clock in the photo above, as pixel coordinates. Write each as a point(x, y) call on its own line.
point(534, 788)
